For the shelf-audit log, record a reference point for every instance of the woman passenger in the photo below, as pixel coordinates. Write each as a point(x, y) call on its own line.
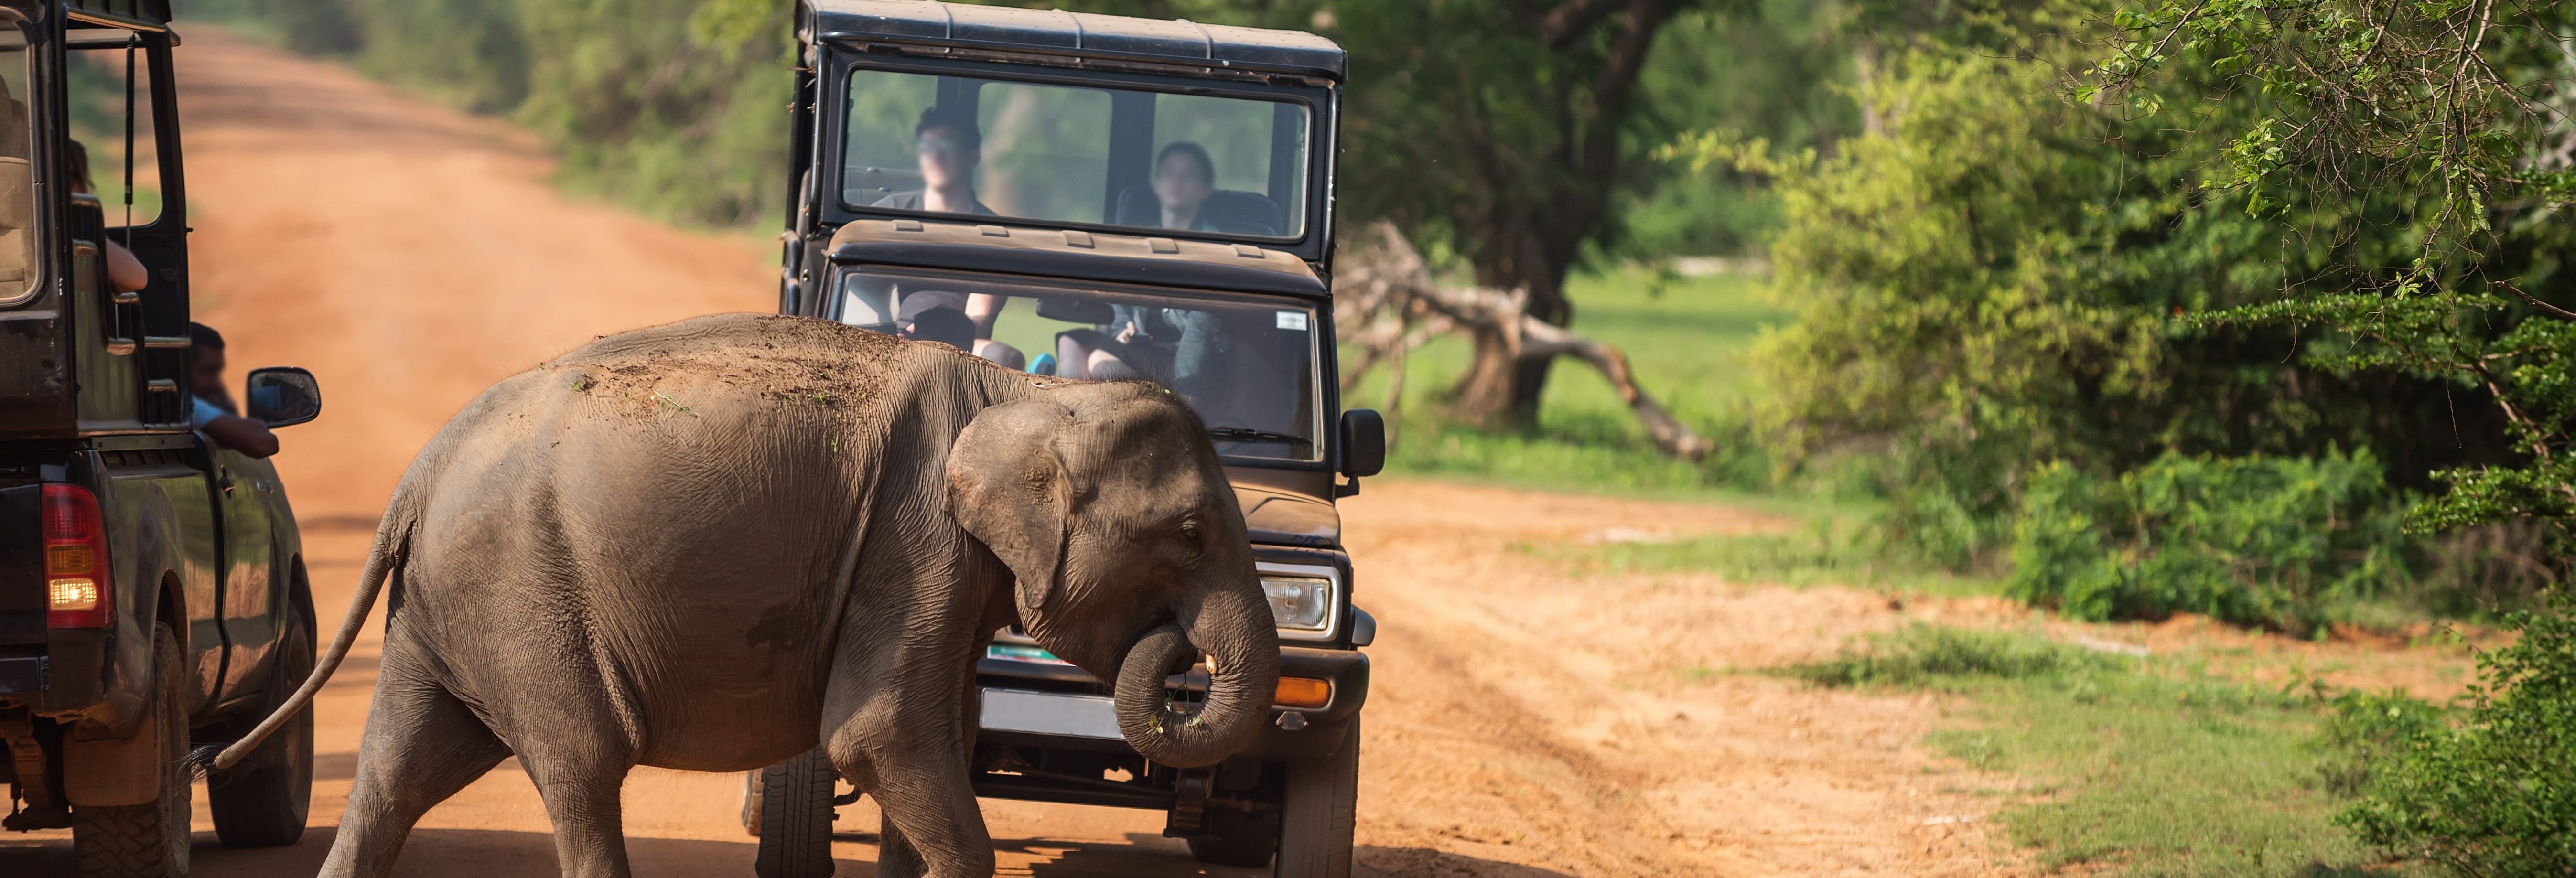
point(1184, 177)
point(123, 270)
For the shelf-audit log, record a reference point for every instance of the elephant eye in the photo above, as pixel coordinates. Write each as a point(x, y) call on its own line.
point(1190, 529)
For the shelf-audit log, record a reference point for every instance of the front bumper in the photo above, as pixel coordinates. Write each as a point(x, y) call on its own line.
point(1293, 733)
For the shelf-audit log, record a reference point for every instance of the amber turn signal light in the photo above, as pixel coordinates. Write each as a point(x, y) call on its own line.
point(1303, 692)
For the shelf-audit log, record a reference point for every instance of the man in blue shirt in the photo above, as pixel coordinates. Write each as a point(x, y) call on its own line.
point(211, 408)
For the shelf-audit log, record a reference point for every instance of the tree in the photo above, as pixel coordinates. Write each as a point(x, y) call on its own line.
point(1498, 131)
point(2455, 117)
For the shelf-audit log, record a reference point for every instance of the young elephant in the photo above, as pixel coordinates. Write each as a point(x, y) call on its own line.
point(712, 545)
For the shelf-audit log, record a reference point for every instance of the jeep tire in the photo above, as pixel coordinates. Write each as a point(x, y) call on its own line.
point(789, 805)
point(264, 802)
point(1317, 813)
point(149, 840)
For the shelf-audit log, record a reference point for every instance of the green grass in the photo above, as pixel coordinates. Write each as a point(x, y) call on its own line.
point(1828, 550)
point(1688, 339)
point(2134, 767)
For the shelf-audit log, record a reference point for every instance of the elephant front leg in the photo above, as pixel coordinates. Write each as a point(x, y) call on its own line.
point(896, 857)
point(910, 759)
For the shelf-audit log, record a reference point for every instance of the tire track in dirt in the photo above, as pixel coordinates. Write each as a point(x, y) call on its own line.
point(1547, 722)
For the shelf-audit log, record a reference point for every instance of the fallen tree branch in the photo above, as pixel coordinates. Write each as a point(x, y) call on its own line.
point(1387, 303)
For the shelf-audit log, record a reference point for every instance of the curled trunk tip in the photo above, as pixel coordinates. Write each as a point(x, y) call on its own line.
point(1238, 700)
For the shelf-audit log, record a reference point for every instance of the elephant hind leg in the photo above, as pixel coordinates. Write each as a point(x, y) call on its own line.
point(578, 755)
point(422, 745)
point(583, 790)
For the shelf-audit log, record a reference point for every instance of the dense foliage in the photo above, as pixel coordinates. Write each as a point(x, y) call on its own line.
point(2453, 117)
point(2485, 792)
point(2006, 275)
point(2273, 542)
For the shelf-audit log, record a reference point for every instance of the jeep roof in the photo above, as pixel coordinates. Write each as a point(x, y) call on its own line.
point(1056, 32)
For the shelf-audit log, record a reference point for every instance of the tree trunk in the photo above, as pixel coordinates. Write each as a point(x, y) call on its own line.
point(1497, 384)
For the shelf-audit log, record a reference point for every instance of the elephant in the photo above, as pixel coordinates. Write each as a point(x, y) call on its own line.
point(720, 543)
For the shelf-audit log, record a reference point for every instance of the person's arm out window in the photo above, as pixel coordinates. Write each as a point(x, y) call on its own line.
point(238, 433)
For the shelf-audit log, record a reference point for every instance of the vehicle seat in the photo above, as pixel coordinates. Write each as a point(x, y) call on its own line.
point(1233, 211)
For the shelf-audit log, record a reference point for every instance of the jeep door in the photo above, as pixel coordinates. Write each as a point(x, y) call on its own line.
point(246, 489)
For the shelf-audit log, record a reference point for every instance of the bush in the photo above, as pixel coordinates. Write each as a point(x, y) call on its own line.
point(2272, 542)
point(2490, 793)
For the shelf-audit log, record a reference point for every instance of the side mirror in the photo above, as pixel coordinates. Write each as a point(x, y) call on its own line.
point(1363, 443)
point(280, 396)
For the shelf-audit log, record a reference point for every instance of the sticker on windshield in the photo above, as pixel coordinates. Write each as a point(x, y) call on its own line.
point(1292, 320)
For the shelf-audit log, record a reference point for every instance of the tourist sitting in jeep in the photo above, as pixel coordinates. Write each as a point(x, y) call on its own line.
point(211, 408)
point(950, 148)
point(1184, 180)
point(1240, 366)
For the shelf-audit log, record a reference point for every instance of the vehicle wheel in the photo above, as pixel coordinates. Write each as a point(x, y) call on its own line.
point(789, 805)
point(1316, 815)
point(263, 804)
point(1235, 839)
point(148, 840)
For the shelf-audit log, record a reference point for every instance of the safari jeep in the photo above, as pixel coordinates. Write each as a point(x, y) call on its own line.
point(152, 587)
point(1106, 198)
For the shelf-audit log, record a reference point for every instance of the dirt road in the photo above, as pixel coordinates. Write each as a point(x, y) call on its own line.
point(1525, 722)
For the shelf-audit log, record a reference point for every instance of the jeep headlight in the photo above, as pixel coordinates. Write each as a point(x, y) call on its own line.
point(1298, 602)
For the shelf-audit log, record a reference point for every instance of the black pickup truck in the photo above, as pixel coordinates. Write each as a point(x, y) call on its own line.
point(1102, 197)
point(152, 585)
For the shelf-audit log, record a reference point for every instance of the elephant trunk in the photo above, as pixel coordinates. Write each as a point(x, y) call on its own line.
point(1245, 647)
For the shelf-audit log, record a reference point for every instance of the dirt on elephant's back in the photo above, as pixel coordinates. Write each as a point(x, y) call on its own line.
point(797, 362)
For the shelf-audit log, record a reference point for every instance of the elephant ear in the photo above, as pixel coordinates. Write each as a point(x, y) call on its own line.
point(1007, 487)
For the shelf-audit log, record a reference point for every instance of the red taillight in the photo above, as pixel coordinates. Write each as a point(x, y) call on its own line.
point(80, 593)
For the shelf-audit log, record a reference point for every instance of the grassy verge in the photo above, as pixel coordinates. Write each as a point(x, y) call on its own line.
point(2131, 766)
point(1828, 550)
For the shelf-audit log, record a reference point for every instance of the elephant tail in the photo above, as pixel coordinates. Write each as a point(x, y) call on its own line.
point(393, 538)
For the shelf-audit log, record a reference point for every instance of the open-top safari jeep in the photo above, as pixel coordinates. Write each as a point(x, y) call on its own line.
point(1103, 197)
point(152, 582)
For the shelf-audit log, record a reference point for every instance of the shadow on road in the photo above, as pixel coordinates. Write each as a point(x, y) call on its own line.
point(489, 853)
point(1142, 854)
point(430, 853)
point(1147, 854)
point(1372, 860)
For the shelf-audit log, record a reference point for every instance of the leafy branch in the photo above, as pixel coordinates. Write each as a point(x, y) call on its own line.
point(2452, 119)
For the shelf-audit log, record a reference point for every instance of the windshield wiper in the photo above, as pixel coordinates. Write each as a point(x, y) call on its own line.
point(1248, 434)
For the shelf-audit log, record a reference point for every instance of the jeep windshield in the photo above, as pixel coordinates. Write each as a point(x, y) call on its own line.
point(1247, 365)
point(1194, 163)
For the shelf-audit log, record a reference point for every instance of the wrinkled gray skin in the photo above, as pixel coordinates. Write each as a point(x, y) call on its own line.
point(712, 545)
